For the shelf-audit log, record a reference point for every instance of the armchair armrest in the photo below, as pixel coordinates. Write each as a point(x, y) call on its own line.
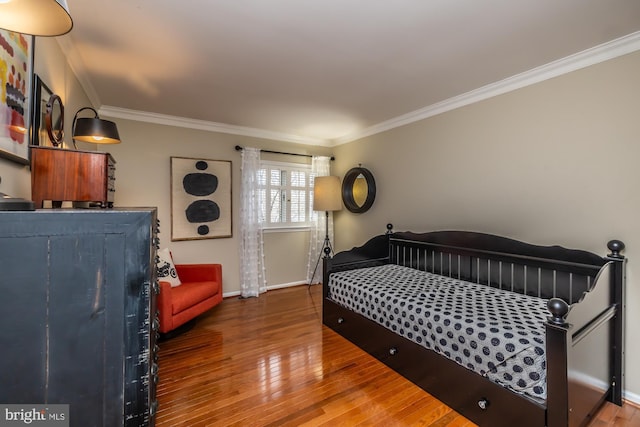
point(199, 272)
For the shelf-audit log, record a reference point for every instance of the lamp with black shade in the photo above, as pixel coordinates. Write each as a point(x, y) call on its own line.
point(326, 197)
point(94, 129)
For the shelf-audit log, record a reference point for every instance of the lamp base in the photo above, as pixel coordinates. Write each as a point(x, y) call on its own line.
point(325, 245)
point(8, 203)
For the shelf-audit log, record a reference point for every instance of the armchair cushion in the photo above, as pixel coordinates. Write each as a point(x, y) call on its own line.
point(190, 294)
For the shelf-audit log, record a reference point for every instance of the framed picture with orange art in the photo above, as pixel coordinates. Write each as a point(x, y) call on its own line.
point(16, 87)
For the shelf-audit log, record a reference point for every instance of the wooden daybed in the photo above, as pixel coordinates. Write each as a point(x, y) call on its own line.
point(578, 339)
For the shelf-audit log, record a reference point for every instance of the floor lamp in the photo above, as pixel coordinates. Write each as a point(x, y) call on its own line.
point(326, 197)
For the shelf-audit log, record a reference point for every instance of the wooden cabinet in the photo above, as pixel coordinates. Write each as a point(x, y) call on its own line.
point(78, 313)
point(70, 175)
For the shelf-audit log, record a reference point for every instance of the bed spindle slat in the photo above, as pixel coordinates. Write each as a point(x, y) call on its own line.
point(539, 282)
point(571, 286)
point(512, 276)
point(433, 261)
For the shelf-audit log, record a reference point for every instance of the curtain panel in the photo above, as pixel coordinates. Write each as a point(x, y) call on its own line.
point(252, 269)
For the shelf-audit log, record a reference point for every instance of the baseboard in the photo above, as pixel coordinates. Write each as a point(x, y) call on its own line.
point(631, 398)
point(269, 288)
point(286, 285)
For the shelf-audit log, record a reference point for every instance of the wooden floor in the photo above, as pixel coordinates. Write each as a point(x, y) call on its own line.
point(268, 361)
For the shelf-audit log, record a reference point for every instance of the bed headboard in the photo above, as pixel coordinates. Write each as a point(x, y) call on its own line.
point(546, 272)
point(543, 271)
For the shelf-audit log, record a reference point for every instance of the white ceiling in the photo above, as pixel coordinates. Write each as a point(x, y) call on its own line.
point(320, 71)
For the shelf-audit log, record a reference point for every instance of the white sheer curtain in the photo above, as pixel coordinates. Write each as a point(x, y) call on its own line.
point(320, 166)
point(252, 272)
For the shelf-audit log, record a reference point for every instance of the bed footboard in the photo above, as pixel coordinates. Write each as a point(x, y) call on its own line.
point(584, 348)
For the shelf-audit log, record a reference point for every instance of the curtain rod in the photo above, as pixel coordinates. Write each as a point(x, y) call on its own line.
point(239, 148)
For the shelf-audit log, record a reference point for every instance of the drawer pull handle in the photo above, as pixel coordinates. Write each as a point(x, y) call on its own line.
point(393, 351)
point(340, 320)
point(483, 404)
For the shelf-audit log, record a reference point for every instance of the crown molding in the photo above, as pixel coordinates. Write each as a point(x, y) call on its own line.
point(604, 52)
point(163, 119)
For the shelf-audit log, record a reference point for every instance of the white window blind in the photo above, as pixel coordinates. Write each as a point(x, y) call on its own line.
point(286, 194)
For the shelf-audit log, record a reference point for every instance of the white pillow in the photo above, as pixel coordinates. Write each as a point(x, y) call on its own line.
point(166, 269)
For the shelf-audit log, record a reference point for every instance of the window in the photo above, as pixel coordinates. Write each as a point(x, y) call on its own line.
point(286, 195)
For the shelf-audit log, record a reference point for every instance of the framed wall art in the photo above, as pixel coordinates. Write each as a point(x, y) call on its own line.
point(16, 81)
point(41, 95)
point(200, 198)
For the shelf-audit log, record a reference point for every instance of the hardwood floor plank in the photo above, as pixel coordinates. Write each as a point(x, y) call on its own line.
point(269, 361)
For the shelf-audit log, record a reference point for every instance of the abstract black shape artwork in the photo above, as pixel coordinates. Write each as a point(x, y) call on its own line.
point(200, 198)
point(202, 211)
point(200, 184)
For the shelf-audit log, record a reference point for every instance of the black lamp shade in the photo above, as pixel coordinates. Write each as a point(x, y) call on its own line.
point(96, 131)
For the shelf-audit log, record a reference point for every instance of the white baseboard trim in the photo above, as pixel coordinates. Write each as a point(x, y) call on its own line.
point(286, 285)
point(602, 385)
point(269, 288)
point(631, 397)
point(230, 294)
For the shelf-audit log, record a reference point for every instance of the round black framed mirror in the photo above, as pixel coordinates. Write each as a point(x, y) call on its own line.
point(54, 120)
point(358, 190)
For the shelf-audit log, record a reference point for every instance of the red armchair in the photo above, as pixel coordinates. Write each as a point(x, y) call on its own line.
point(201, 289)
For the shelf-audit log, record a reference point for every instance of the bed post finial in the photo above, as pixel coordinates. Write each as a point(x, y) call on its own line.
point(615, 246)
point(389, 228)
point(559, 310)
